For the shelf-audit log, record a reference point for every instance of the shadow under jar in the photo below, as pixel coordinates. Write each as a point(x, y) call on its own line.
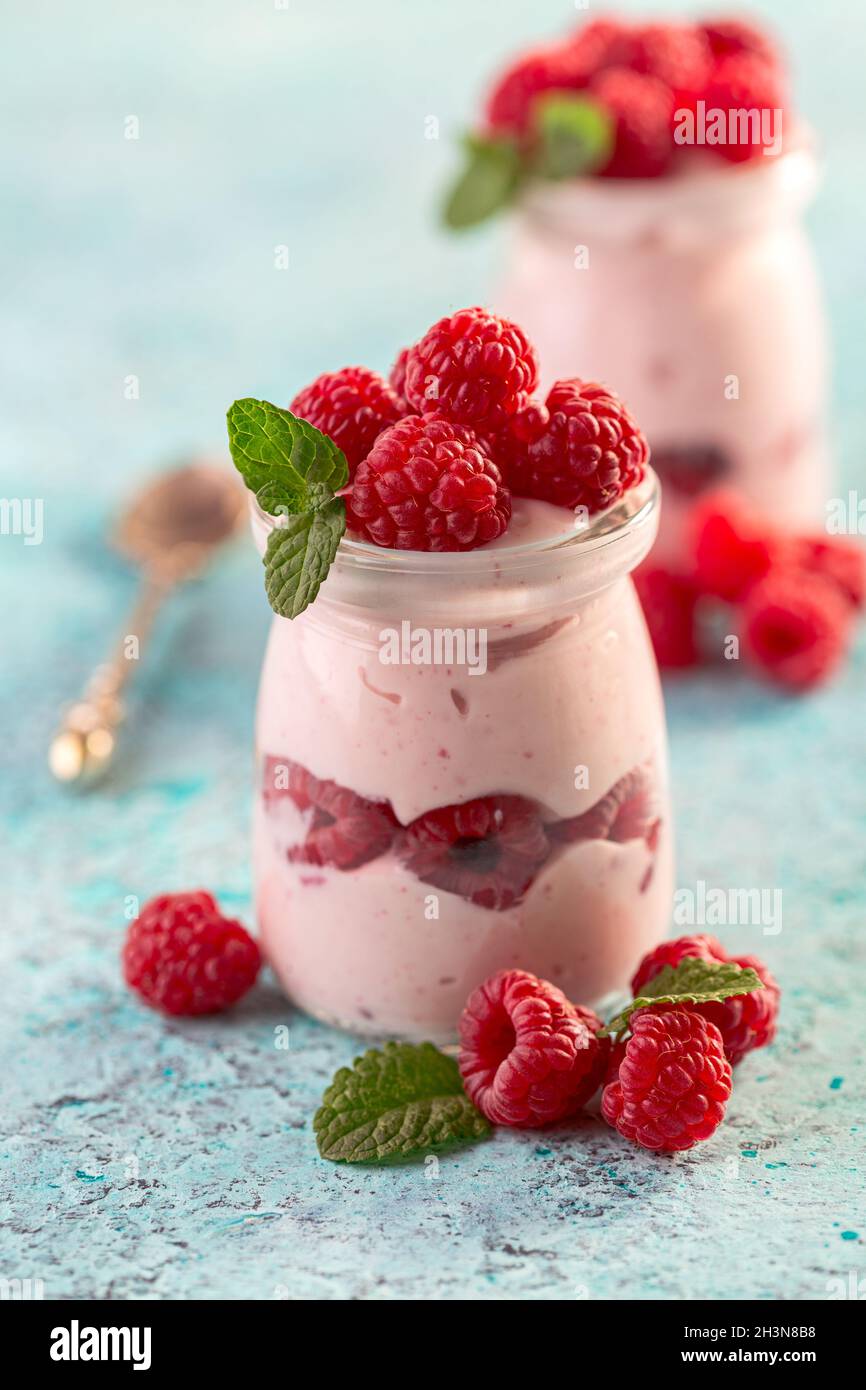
point(696, 295)
point(462, 768)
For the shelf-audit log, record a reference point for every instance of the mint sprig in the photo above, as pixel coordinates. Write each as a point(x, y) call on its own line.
point(572, 135)
point(294, 471)
point(394, 1104)
point(488, 182)
point(691, 982)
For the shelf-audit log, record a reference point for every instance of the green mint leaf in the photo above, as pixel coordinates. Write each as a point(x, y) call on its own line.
point(488, 182)
point(573, 135)
point(289, 464)
point(398, 1103)
point(299, 553)
point(690, 982)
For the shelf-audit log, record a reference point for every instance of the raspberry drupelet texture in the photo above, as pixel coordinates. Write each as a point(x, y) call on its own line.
point(344, 830)
point(528, 1057)
point(183, 957)
point(589, 453)
point(673, 1083)
point(428, 484)
point(796, 628)
point(745, 1021)
point(487, 850)
point(472, 368)
point(642, 109)
point(352, 407)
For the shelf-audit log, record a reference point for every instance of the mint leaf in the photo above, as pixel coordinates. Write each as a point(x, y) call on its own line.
point(488, 182)
point(573, 135)
point(289, 465)
point(690, 982)
point(298, 555)
point(398, 1103)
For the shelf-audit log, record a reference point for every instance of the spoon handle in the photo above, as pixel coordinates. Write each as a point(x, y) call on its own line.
point(83, 747)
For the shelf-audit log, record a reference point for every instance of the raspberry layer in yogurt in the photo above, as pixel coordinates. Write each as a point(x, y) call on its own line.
point(419, 826)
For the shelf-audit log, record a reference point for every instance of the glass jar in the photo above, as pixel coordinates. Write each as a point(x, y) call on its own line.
point(463, 769)
point(696, 296)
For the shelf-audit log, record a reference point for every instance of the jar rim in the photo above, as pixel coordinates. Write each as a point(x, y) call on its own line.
point(626, 519)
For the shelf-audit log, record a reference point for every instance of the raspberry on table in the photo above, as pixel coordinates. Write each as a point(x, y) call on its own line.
point(589, 454)
point(732, 549)
point(487, 850)
point(184, 957)
point(642, 110)
point(840, 561)
point(795, 628)
point(473, 368)
point(352, 407)
point(528, 1057)
point(745, 1021)
point(428, 484)
point(628, 811)
point(669, 603)
point(344, 830)
point(744, 81)
point(673, 1083)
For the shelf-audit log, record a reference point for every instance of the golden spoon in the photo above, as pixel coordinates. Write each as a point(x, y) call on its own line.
point(169, 531)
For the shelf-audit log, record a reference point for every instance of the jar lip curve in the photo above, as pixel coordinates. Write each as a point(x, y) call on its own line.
point(636, 509)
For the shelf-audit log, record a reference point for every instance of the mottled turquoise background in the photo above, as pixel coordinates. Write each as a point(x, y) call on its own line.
point(176, 1160)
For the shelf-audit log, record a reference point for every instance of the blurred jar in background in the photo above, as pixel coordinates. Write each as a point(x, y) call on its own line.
point(697, 294)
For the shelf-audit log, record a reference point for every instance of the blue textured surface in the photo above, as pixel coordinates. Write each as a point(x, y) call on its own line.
point(145, 1158)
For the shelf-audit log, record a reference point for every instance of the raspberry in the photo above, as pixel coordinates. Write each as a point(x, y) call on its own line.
point(590, 453)
point(745, 1021)
point(642, 109)
point(428, 485)
point(472, 368)
point(732, 551)
point(731, 36)
point(527, 1056)
point(744, 82)
point(840, 561)
point(183, 957)
point(676, 54)
point(352, 407)
point(692, 468)
point(629, 811)
point(397, 380)
point(508, 109)
point(673, 1083)
point(487, 850)
point(669, 603)
point(344, 830)
point(594, 46)
point(796, 628)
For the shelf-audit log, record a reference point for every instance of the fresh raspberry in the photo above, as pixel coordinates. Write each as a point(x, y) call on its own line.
point(509, 106)
point(840, 561)
point(472, 368)
point(629, 811)
point(397, 380)
point(691, 469)
point(352, 407)
point(487, 850)
point(428, 485)
point(344, 830)
point(732, 36)
point(744, 82)
point(733, 551)
point(183, 957)
point(745, 1021)
point(669, 603)
point(594, 46)
point(590, 453)
point(528, 1057)
point(796, 628)
point(673, 1082)
point(642, 109)
point(676, 54)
